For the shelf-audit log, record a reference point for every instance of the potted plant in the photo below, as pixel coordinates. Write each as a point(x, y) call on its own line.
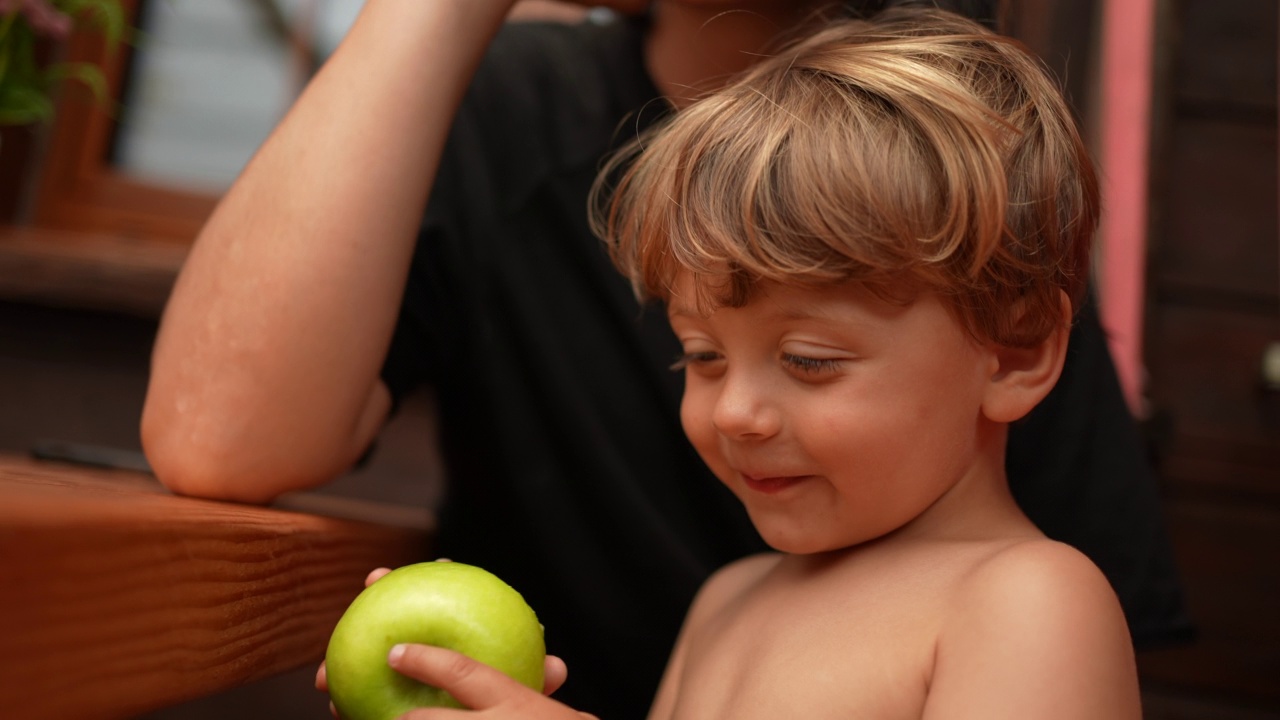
point(28, 80)
point(32, 72)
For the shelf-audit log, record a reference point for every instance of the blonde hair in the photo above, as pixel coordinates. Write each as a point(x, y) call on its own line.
point(915, 151)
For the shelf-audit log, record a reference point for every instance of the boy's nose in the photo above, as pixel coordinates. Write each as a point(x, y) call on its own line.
point(743, 410)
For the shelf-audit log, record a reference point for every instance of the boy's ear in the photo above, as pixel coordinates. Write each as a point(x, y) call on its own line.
point(1024, 376)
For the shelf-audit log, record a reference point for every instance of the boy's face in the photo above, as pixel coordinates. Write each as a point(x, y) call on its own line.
point(835, 417)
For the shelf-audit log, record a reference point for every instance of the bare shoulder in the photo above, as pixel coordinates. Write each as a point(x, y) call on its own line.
point(746, 570)
point(1045, 586)
point(1041, 570)
point(1034, 629)
point(730, 582)
point(722, 588)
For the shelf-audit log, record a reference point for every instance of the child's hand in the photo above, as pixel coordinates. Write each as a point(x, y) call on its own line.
point(554, 672)
point(479, 687)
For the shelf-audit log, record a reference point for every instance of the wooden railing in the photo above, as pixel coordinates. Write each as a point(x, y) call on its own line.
point(118, 598)
point(87, 270)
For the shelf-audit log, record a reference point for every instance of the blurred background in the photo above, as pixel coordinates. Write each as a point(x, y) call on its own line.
point(1179, 98)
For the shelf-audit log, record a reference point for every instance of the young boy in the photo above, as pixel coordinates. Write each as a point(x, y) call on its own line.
point(871, 248)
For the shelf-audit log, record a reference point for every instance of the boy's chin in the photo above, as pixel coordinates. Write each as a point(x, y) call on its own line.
point(799, 538)
point(795, 541)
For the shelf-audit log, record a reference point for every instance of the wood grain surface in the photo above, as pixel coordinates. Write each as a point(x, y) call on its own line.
point(117, 597)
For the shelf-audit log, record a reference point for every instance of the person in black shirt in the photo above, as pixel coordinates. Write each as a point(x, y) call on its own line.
point(320, 291)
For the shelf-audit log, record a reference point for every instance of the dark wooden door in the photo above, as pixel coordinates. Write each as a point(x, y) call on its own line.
point(1213, 309)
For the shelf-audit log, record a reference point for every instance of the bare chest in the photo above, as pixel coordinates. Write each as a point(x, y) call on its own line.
point(848, 645)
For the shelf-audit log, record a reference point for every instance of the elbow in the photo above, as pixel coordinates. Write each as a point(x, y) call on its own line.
point(191, 464)
point(203, 443)
point(201, 473)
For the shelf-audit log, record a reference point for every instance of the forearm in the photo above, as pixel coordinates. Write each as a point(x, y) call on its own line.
point(265, 368)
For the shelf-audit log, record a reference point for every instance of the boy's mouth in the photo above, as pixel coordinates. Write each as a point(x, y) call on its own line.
point(773, 485)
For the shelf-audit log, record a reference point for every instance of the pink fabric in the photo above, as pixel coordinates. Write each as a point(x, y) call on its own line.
point(1127, 42)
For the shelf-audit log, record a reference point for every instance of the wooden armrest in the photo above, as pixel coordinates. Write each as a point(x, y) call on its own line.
point(118, 598)
point(96, 271)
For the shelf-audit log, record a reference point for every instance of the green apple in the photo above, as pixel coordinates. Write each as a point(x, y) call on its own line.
point(447, 604)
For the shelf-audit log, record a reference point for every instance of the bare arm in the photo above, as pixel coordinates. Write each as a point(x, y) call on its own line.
point(265, 372)
point(723, 587)
point(1037, 633)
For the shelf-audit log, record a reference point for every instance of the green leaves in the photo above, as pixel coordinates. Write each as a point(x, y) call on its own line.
point(27, 87)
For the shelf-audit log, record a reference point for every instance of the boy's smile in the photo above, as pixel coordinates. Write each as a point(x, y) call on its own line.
point(773, 484)
point(836, 417)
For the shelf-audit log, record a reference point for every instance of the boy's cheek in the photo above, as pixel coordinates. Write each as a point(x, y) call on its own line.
point(691, 416)
point(695, 418)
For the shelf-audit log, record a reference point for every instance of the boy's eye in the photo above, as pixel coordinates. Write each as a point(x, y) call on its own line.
point(808, 364)
point(694, 358)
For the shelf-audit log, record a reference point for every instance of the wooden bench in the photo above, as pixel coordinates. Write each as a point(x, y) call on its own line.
point(118, 598)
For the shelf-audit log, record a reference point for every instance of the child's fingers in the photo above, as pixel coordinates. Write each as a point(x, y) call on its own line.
point(554, 673)
point(376, 575)
point(322, 679)
point(474, 684)
point(379, 573)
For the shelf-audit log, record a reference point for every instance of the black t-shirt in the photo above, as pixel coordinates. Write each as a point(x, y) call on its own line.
point(569, 475)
